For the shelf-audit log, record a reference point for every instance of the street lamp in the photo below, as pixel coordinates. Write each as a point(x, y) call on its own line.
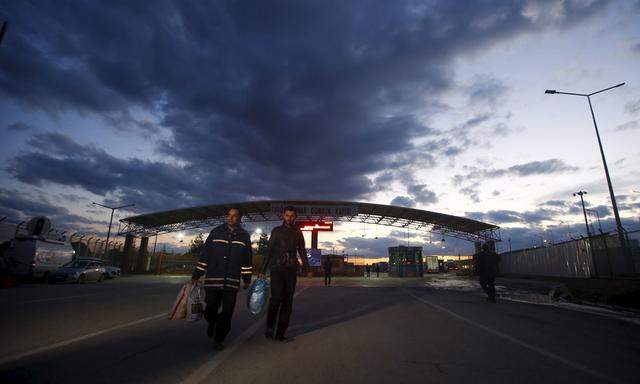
point(621, 230)
point(584, 210)
point(111, 219)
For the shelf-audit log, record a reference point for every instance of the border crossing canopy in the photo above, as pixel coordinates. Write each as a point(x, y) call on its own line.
point(343, 211)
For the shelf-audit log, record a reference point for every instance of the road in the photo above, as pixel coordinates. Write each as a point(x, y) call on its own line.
point(359, 330)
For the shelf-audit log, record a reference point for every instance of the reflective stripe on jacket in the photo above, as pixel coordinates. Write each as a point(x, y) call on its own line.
point(225, 258)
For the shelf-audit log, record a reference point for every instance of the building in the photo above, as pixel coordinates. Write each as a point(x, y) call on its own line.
point(406, 261)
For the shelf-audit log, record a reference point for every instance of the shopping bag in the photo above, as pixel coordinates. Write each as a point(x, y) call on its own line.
point(179, 309)
point(195, 302)
point(257, 296)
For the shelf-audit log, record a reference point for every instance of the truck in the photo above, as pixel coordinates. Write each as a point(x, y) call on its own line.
point(431, 264)
point(33, 256)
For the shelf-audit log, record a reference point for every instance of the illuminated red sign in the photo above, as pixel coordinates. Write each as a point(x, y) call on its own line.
point(315, 226)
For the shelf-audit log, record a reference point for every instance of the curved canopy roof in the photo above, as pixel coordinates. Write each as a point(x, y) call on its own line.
point(346, 211)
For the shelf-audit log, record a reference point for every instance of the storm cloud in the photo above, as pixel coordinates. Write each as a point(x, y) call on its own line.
point(298, 99)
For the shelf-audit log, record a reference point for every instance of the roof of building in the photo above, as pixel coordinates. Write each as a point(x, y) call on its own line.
point(345, 211)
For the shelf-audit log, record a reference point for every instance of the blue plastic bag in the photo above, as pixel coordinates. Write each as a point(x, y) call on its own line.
point(257, 296)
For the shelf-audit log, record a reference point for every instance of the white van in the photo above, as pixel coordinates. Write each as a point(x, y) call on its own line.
point(36, 256)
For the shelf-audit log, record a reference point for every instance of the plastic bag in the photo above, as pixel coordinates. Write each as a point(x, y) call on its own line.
point(257, 296)
point(195, 303)
point(179, 309)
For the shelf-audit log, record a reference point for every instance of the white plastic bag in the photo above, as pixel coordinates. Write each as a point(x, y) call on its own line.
point(258, 296)
point(195, 302)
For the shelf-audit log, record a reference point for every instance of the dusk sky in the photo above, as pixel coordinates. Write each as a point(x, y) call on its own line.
point(437, 105)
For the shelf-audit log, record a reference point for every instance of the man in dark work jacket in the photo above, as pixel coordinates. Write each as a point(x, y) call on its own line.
point(285, 243)
point(224, 260)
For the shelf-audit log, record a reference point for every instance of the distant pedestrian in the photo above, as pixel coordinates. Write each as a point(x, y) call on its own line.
point(486, 264)
point(224, 260)
point(368, 269)
point(326, 265)
point(376, 268)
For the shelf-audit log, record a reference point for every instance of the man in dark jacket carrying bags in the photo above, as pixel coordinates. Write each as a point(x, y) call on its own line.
point(285, 243)
point(225, 259)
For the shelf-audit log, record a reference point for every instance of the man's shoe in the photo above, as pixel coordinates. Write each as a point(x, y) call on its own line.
point(283, 339)
point(218, 346)
point(210, 329)
point(269, 333)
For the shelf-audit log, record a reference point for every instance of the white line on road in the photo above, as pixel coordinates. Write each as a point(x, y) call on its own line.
point(519, 342)
point(200, 374)
point(109, 292)
point(50, 347)
point(56, 298)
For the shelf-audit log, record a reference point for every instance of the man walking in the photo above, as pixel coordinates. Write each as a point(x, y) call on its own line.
point(486, 262)
point(225, 258)
point(326, 265)
point(285, 242)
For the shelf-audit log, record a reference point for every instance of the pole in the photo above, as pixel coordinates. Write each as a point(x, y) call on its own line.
point(584, 210)
point(109, 233)
point(110, 221)
point(154, 253)
point(586, 222)
point(599, 223)
point(620, 229)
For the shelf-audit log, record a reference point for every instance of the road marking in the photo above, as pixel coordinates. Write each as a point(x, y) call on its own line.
point(629, 317)
point(56, 298)
point(46, 348)
point(8, 300)
point(200, 374)
point(519, 342)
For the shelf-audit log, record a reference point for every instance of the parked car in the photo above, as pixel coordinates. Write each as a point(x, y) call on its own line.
point(78, 271)
point(453, 266)
point(111, 270)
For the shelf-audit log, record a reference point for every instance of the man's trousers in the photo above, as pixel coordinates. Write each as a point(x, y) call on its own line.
point(283, 286)
point(488, 284)
point(220, 319)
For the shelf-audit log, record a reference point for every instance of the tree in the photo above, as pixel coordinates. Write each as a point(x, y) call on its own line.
point(263, 247)
point(263, 244)
point(195, 247)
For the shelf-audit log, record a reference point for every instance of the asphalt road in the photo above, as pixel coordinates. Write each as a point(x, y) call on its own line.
point(376, 331)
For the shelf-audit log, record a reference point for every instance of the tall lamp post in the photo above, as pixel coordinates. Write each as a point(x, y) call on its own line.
point(111, 219)
point(620, 228)
point(584, 210)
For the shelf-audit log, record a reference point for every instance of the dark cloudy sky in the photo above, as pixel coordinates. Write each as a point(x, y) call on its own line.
point(432, 104)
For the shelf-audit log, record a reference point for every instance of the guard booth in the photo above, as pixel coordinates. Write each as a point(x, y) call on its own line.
point(406, 262)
